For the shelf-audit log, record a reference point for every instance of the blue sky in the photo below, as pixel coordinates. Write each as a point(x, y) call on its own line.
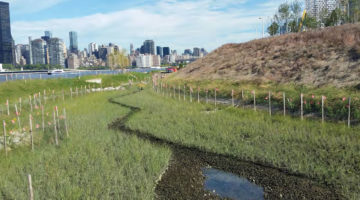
point(179, 24)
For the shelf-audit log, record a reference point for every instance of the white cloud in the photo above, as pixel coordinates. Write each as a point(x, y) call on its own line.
point(180, 24)
point(31, 6)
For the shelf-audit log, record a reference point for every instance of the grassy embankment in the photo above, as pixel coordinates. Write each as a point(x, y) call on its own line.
point(94, 162)
point(327, 152)
point(335, 104)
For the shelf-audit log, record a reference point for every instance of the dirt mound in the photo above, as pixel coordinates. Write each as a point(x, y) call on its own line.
point(321, 57)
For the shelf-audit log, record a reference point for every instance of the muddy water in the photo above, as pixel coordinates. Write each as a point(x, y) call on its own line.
point(185, 177)
point(231, 186)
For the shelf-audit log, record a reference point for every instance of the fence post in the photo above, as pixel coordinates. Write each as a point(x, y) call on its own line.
point(18, 116)
point(302, 106)
point(284, 103)
point(5, 148)
point(184, 93)
point(30, 102)
point(254, 94)
point(232, 98)
point(65, 122)
point(7, 107)
point(31, 133)
point(207, 96)
point(55, 129)
point(215, 96)
point(42, 118)
point(322, 109)
point(40, 99)
point(270, 103)
point(31, 193)
point(44, 96)
point(20, 104)
point(198, 94)
point(349, 114)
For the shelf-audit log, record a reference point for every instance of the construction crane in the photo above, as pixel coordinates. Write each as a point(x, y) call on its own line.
point(302, 20)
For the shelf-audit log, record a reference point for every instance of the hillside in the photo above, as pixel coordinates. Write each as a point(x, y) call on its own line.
point(317, 58)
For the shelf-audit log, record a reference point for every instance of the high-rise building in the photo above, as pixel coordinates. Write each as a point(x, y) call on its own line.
point(25, 52)
point(38, 52)
point(187, 52)
point(18, 55)
point(73, 42)
point(149, 47)
point(166, 51)
point(48, 34)
point(56, 52)
point(159, 51)
point(132, 52)
point(30, 51)
point(196, 52)
point(73, 61)
point(6, 41)
point(316, 7)
point(93, 47)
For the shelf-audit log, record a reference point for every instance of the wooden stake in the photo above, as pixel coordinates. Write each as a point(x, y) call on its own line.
point(302, 106)
point(7, 107)
point(55, 129)
point(215, 97)
point(254, 93)
point(284, 103)
point(20, 104)
point(31, 133)
point(31, 193)
point(349, 114)
point(270, 103)
point(43, 118)
point(31, 106)
point(18, 117)
point(232, 98)
point(5, 148)
point(58, 120)
point(65, 122)
point(322, 109)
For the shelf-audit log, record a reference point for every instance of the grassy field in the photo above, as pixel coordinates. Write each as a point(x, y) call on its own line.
point(329, 153)
point(93, 163)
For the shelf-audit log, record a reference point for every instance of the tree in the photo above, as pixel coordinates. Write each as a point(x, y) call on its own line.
point(334, 18)
point(273, 28)
point(118, 59)
point(310, 22)
point(284, 13)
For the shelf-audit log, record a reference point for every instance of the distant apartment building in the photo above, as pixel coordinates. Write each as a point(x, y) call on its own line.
point(56, 52)
point(73, 42)
point(196, 52)
point(132, 51)
point(73, 61)
point(93, 47)
point(315, 8)
point(187, 52)
point(18, 55)
point(38, 52)
point(147, 60)
point(7, 53)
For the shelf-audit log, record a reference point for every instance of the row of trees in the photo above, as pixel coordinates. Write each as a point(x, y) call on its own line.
point(31, 67)
point(289, 17)
point(118, 59)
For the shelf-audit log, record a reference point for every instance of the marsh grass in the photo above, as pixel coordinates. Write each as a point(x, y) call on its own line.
point(93, 163)
point(328, 153)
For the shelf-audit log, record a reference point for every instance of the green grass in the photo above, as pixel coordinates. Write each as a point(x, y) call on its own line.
point(329, 153)
point(93, 163)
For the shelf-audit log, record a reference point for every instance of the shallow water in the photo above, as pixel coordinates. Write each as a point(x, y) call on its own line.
point(229, 185)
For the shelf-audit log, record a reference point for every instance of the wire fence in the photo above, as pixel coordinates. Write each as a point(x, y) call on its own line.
point(345, 109)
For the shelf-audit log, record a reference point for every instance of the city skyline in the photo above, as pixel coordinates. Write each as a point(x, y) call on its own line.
point(143, 20)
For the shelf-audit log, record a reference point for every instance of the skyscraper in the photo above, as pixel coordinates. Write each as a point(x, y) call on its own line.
point(149, 47)
point(56, 52)
point(166, 51)
point(48, 34)
point(159, 51)
point(73, 42)
point(6, 41)
point(196, 52)
point(132, 52)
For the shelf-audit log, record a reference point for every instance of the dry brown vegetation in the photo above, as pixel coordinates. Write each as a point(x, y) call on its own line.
point(316, 58)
